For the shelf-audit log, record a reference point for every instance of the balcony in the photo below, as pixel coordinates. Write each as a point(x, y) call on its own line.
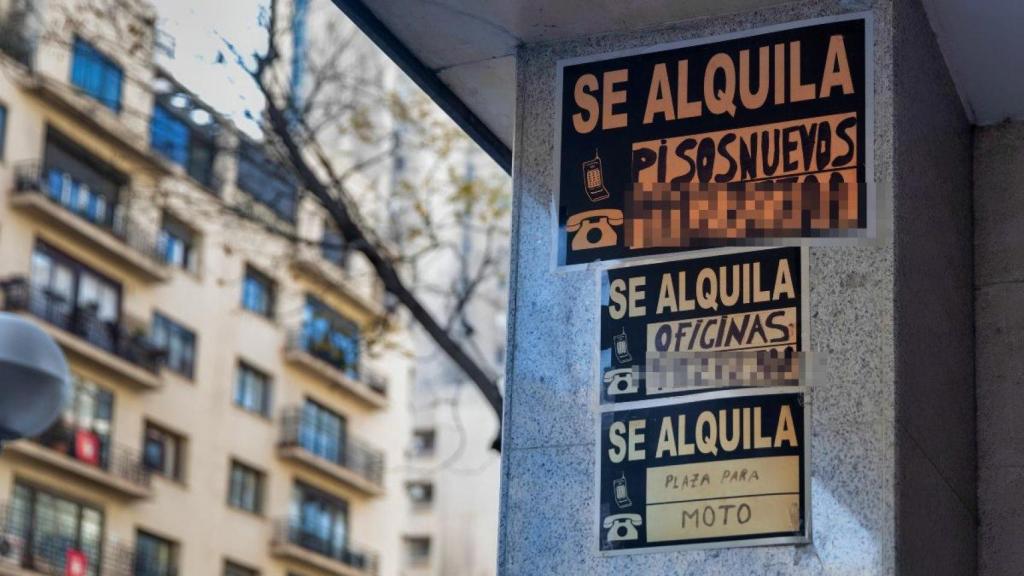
point(109, 345)
point(352, 462)
point(108, 229)
point(321, 268)
point(328, 362)
point(25, 552)
point(292, 542)
point(81, 453)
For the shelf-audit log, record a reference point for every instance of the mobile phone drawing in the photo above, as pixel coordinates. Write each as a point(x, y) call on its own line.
point(621, 345)
point(621, 492)
point(593, 179)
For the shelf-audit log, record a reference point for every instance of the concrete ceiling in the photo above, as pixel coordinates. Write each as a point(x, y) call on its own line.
point(470, 44)
point(983, 43)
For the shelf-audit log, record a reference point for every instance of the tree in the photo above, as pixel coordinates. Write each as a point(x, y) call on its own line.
point(343, 104)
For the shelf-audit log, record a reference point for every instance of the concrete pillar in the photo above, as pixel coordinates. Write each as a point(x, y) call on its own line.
point(999, 325)
point(892, 452)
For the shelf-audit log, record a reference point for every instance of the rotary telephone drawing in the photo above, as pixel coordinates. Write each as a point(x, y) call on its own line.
point(621, 381)
point(622, 527)
point(594, 228)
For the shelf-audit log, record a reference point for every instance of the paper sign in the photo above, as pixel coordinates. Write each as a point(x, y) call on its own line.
point(722, 468)
point(764, 135)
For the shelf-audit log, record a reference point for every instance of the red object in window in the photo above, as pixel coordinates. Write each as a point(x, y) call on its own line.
point(75, 563)
point(87, 447)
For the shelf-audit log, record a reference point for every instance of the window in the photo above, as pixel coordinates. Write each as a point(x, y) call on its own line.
point(177, 244)
point(266, 181)
point(80, 182)
point(50, 528)
point(173, 136)
point(319, 521)
point(330, 337)
point(258, 293)
point(252, 390)
point(83, 430)
point(163, 452)
point(420, 493)
point(232, 569)
point(155, 556)
point(177, 342)
point(417, 550)
point(3, 129)
point(168, 135)
point(322, 432)
point(74, 297)
point(423, 442)
point(96, 74)
point(332, 246)
point(245, 488)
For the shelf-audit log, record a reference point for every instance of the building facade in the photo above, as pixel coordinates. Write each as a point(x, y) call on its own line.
point(227, 414)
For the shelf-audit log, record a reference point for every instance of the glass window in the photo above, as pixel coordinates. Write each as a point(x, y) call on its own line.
point(258, 293)
point(232, 569)
point(266, 181)
point(83, 430)
point(177, 244)
point(155, 556)
point(332, 246)
point(420, 493)
point(171, 135)
point(53, 529)
point(319, 521)
point(3, 129)
point(163, 452)
point(177, 342)
point(322, 432)
point(96, 74)
point(252, 390)
point(245, 488)
point(423, 442)
point(417, 550)
point(168, 135)
point(80, 182)
point(330, 336)
point(73, 297)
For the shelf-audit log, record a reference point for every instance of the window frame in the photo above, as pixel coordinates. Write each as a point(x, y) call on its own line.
point(243, 368)
point(429, 449)
point(175, 329)
point(4, 120)
point(174, 232)
point(173, 549)
point(253, 276)
point(177, 472)
point(105, 66)
point(34, 491)
point(238, 501)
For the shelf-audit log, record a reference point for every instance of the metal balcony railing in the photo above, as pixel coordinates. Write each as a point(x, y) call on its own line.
point(24, 545)
point(292, 531)
point(121, 461)
point(325, 443)
point(34, 178)
point(82, 321)
point(337, 358)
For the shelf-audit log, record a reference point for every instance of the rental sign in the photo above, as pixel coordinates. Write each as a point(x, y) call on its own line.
point(751, 137)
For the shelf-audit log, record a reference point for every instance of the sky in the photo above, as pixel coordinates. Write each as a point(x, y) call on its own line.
point(199, 29)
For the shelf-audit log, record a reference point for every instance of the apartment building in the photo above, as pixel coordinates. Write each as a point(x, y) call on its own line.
point(227, 415)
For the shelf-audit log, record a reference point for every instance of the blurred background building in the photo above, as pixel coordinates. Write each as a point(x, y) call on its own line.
point(230, 412)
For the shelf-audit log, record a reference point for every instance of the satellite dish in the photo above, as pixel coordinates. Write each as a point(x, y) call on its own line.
point(34, 380)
